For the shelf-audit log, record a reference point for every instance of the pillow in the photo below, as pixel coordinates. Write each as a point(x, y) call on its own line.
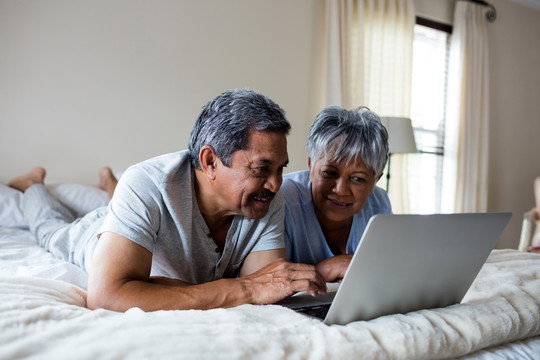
point(10, 209)
point(80, 198)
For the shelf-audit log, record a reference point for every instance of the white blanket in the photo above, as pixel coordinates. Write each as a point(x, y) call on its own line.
point(44, 318)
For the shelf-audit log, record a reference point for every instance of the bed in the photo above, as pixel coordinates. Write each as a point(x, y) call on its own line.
point(43, 314)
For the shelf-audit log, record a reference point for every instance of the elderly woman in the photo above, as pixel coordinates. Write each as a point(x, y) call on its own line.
point(328, 207)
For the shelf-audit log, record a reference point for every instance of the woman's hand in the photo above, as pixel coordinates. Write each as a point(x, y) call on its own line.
point(334, 268)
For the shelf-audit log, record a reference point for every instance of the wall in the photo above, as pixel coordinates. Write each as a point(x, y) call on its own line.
point(515, 119)
point(89, 83)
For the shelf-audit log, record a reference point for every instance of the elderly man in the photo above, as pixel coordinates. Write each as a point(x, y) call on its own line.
point(195, 229)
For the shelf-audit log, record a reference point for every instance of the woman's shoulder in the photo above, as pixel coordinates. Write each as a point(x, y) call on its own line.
point(379, 201)
point(296, 186)
point(297, 176)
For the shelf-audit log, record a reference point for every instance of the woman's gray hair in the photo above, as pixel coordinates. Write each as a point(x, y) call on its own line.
point(226, 122)
point(341, 135)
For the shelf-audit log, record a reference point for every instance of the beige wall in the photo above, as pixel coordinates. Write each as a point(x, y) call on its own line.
point(515, 115)
point(88, 83)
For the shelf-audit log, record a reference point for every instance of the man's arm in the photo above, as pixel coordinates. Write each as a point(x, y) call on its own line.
point(272, 278)
point(119, 279)
point(257, 259)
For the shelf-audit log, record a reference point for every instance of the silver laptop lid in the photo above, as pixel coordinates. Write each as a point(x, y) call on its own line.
point(410, 262)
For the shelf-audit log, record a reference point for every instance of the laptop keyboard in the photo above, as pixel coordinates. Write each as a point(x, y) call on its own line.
point(317, 311)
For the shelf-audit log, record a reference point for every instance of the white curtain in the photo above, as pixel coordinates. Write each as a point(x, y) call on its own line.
point(465, 182)
point(369, 62)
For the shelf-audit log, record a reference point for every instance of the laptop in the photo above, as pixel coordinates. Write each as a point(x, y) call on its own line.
point(406, 263)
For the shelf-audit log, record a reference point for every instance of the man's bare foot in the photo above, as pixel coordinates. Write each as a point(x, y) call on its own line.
point(107, 180)
point(23, 182)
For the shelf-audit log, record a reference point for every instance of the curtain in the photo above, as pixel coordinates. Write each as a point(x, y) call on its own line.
point(369, 62)
point(465, 182)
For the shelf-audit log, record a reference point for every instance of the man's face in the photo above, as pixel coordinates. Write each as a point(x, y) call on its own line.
point(248, 186)
point(339, 190)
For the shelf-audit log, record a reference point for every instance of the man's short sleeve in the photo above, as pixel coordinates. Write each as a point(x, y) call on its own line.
point(134, 211)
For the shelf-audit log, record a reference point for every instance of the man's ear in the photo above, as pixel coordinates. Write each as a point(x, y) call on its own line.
point(208, 160)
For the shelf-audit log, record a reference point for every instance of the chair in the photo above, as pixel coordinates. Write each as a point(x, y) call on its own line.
point(530, 228)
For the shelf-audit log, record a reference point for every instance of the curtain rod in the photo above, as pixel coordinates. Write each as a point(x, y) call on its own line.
point(491, 14)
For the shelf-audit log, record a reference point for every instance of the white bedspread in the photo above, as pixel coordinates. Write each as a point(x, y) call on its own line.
point(47, 318)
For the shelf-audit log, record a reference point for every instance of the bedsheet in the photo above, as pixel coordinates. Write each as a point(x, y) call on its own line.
point(43, 315)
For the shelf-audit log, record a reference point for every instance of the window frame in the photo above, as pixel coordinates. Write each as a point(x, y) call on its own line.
point(436, 150)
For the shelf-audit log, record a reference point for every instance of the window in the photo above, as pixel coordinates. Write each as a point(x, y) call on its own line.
point(428, 113)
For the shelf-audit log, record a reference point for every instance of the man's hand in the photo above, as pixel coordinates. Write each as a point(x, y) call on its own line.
point(334, 268)
point(280, 279)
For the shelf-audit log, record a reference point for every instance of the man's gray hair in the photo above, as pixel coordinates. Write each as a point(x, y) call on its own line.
point(341, 135)
point(226, 122)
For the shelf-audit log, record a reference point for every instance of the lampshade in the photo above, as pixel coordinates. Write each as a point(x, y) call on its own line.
point(400, 135)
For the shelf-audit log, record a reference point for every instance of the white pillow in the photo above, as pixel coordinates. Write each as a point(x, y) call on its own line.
point(10, 209)
point(80, 198)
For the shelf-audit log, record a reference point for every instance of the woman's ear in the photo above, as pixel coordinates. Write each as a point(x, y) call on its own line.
point(377, 178)
point(208, 160)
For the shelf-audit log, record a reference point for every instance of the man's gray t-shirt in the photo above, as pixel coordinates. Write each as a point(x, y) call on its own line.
point(155, 206)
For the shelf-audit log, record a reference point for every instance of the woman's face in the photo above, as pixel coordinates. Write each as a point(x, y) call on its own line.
point(339, 190)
